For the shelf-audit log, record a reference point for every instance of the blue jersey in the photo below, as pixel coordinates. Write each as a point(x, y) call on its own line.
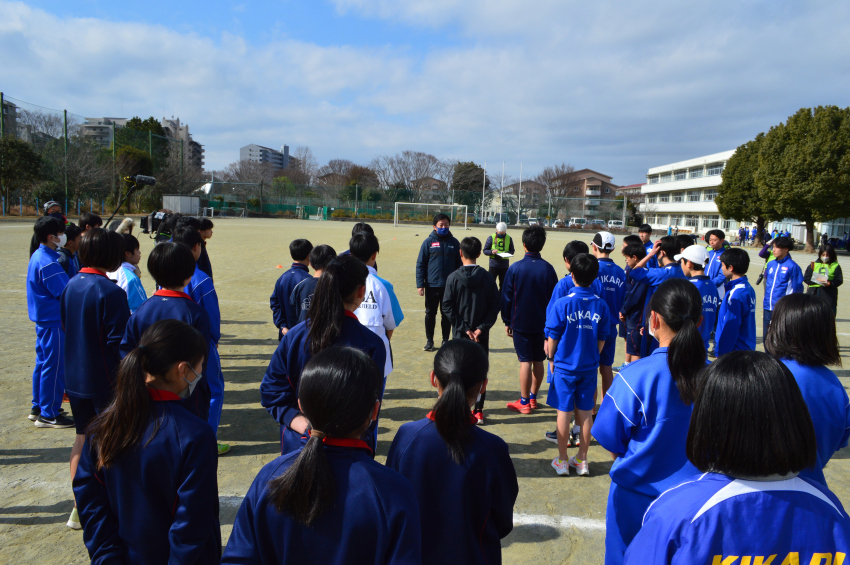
point(202, 291)
point(374, 518)
point(279, 300)
point(94, 314)
point(468, 507)
point(580, 321)
point(781, 277)
point(158, 502)
point(633, 302)
point(131, 284)
point(714, 269)
point(645, 422)
point(829, 408)
point(652, 278)
point(301, 298)
point(612, 280)
point(564, 287)
point(736, 322)
point(526, 292)
point(721, 520)
point(710, 305)
point(45, 282)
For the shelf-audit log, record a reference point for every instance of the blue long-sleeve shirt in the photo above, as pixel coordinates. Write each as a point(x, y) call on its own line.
point(633, 302)
point(652, 279)
point(94, 313)
point(612, 282)
point(202, 291)
point(781, 277)
point(579, 321)
point(710, 305)
point(158, 502)
point(714, 270)
point(439, 257)
point(563, 288)
point(736, 322)
point(374, 519)
point(468, 507)
point(279, 300)
point(526, 292)
point(45, 282)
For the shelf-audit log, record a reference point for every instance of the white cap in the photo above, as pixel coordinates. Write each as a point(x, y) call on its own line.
point(501, 227)
point(604, 240)
point(696, 254)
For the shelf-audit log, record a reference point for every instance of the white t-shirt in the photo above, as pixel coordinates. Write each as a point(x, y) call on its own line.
point(376, 312)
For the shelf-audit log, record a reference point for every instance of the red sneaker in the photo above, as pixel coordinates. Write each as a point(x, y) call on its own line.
point(65, 399)
point(533, 403)
point(479, 416)
point(518, 406)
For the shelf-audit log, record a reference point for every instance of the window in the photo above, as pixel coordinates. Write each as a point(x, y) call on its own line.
point(693, 196)
point(710, 195)
point(652, 199)
point(681, 174)
point(678, 197)
point(653, 179)
point(664, 197)
point(607, 190)
point(662, 219)
point(715, 169)
point(730, 225)
point(650, 218)
point(691, 220)
point(666, 177)
point(675, 220)
point(697, 172)
point(711, 221)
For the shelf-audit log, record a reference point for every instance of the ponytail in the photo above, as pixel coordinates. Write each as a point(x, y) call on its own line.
point(679, 304)
point(121, 426)
point(339, 281)
point(338, 390)
point(460, 366)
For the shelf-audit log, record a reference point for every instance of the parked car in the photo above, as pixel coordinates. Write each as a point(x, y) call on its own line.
point(534, 222)
point(559, 224)
point(615, 224)
point(503, 217)
point(577, 222)
point(595, 225)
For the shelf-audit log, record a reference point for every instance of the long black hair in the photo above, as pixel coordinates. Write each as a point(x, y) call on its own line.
point(679, 304)
point(121, 426)
point(461, 366)
point(339, 282)
point(750, 419)
point(338, 390)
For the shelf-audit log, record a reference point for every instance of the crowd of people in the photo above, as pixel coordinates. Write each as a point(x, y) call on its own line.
point(711, 459)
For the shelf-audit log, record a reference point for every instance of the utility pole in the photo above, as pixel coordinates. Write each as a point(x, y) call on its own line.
point(519, 199)
point(502, 192)
point(483, 189)
point(66, 156)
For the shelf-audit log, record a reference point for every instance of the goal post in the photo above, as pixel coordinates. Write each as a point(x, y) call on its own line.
point(419, 213)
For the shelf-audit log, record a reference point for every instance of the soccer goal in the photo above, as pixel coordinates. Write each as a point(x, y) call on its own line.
point(207, 212)
point(232, 212)
point(418, 213)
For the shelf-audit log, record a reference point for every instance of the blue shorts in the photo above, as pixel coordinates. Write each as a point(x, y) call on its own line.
point(529, 346)
point(606, 356)
point(572, 391)
point(633, 338)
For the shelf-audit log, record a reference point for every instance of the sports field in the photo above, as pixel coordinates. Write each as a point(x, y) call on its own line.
point(556, 520)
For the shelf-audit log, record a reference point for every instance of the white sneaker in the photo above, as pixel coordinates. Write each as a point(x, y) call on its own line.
point(74, 520)
point(581, 467)
point(561, 467)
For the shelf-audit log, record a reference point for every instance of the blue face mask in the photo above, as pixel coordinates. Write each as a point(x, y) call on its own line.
point(443, 231)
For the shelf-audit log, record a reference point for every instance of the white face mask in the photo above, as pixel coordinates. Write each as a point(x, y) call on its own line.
point(651, 331)
point(824, 259)
point(187, 392)
point(63, 239)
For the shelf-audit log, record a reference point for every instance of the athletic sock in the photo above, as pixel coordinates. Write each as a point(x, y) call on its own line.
point(523, 400)
point(532, 396)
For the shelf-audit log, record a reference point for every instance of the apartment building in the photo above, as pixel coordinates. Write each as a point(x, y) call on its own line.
point(259, 154)
point(193, 152)
point(99, 130)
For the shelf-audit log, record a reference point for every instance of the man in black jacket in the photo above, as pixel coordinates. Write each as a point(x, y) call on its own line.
point(438, 257)
point(499, 242)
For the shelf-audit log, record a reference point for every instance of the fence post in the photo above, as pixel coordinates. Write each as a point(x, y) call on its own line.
point(36, 206)
point(4, 205)
point(21, 205)
point(91, 205)
point(78, 207)
point(2, 135)
point(102, 207)
point(114, 189)
point(65, 167)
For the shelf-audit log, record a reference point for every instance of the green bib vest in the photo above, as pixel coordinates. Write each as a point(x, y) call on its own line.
point(501, 245)
point(827, 269)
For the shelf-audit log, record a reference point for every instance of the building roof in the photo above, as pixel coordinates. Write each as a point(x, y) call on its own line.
point(631, 186)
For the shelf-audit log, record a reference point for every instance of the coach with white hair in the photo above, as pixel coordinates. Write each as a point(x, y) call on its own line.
point(499, 242)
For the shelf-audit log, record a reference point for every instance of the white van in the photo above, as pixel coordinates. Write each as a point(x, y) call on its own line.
point(577, 223)
point(615, 224)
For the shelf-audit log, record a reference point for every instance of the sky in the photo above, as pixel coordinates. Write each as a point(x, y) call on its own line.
point(617, 87)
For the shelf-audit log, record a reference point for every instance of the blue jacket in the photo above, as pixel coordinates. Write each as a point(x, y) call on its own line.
point(710, 305)
point(563, 288)
point(279, 389)
point(580, 321)
point(781, 277)
point(94, 314)
point(736, 322)
point(300, 299)
point(202, 291)
point(158, 502)
point(439, 256)
point(45, 282)
point(714, 270)
point(652, 263)
point(646, 424)
point(652, 278)
point(612, 280)
point(719, 519)
point(633, 302)
point(526, 292)
point(279, 300)
point(829, 408)
point(171, 305)
point(465, 509)
point(374, 519)
point(69, 262)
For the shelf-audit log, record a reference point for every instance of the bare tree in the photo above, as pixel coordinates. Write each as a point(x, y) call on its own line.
point(445, 173)
point(306, 166)
point(561, 182)
point(406, 168)
point(44, 123)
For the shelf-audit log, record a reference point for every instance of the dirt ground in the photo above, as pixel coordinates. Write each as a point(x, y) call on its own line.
point(560, 519)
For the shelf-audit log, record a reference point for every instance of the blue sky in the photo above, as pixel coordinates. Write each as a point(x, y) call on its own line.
point(617, 87)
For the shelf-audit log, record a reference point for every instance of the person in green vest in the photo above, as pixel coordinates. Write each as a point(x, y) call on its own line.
point(826, 266)
point(499, 242)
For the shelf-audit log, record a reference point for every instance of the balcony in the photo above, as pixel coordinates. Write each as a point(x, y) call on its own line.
point(593, 191)
point(592, 202)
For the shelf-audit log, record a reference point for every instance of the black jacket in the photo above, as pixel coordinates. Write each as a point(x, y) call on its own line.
point(471, 299)
point(439, 256)
point(204, 261)
point(497, 262)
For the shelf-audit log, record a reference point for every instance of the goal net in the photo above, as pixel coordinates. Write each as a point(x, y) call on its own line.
point(417, 213)
point(232, 212)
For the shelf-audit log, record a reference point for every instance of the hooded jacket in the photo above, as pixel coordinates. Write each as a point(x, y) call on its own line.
point(471, 299)
point(438, 257)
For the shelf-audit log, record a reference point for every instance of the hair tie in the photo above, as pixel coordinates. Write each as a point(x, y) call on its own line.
point(456, 372)
point(318, 434)
point(683, 318)
point(142, 349)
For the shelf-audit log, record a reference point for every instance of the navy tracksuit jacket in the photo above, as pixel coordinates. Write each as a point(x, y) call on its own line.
point(528, 286)
point(279, 300)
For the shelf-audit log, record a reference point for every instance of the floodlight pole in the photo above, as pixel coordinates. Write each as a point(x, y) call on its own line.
point(66, 157)
point(502, 192)
point(519, 199)
point(483, 189)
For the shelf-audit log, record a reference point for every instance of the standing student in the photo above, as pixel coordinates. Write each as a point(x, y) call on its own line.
point(634, 299)
point(89, 221)
point(717, 245)
point(328, 501)
point(612, 280)
point(68, 252)
point(380, 310)
point(754, 234)
point(472, 301)
point(750, 505)
point(146, 485)
point(736, 320)
point(45, 282)
point(499, 242)
point(302, 293)
point(299, 250)
point(127, 276)
point(360, 227)
point(783, 276)
point(463, 477)
point(645, 235)
point(172, 266)
point(206, 229)
point(826, 266)
point(331, 321)
point(202, 291)
point(438, 258)
point(693, 260)
point(54, 210)
point(566, 284)
point(802, 335)
point(646, 424)
point(525, 296)
point(94, 313)
point(578, 327)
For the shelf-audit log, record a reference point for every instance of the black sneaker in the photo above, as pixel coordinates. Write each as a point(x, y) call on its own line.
point(60, 421)
point(429, 345)
point(445, 341)
point(34, 413)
